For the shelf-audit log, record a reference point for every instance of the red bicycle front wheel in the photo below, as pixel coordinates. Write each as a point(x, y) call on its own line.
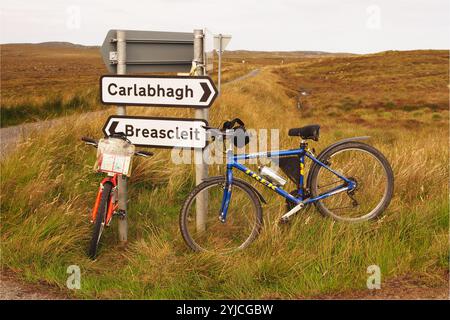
point(99, 223)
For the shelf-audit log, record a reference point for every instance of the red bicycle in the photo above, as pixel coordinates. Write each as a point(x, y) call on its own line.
point(114, 155)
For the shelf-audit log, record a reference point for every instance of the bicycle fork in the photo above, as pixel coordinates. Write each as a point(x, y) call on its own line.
point(112, 203)
point(226, 196)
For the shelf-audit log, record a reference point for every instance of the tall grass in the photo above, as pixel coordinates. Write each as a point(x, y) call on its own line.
point(51, 107)
point(48, 187)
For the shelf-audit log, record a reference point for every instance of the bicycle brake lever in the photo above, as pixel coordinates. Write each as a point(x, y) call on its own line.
point(95, 145)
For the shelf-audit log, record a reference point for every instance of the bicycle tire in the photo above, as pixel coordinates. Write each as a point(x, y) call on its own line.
point(188, 239)
point(99, 223)
point(381, 207)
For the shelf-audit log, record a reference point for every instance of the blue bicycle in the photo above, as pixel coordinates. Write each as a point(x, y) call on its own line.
point(348, 181)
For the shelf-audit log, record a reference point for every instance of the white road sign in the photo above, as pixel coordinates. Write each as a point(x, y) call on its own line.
point(179, 91)
point(159, 132)
point(221, 41)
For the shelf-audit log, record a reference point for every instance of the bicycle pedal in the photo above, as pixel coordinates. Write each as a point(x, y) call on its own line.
point(283, 220)
point(287, 216)
point(120, 213)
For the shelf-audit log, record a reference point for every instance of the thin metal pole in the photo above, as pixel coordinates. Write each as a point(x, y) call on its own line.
point(201, 168)
point(219, 78)
point(122, 110)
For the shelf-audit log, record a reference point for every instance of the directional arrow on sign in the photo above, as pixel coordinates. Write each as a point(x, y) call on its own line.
point(206, 92)
point(159, 132)
point(112, 128)
point(180, 91)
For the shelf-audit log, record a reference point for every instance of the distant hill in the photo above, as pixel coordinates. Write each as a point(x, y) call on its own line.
point(65, 44)
point(60, 44)
point(285, 54)
point(296, 53)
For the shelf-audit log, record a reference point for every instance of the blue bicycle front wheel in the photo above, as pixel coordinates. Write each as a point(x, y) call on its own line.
point(201, 226)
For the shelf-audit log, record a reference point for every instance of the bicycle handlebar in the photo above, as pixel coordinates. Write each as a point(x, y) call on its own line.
point(227, 125)
point(144, 154)
point(230, 124)
point(94, 143)
point(89, 141)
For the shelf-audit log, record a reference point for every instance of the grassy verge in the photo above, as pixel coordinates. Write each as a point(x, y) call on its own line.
point(51, 107)
point(48, 186)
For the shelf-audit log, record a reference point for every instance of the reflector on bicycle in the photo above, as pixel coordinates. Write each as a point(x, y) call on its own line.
point(114, 156)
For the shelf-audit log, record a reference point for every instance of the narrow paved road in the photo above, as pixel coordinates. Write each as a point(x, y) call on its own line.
point(10, 135)
point(252, 73)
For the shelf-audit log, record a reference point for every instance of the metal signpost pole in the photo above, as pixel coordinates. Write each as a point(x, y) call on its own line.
point(201, 168)
point(220, 63)
point(122, 110)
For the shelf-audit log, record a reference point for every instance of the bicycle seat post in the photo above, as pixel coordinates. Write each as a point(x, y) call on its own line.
point(303, 144)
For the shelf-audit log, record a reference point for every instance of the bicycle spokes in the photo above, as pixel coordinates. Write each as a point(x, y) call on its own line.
point(221, 236)
point(369, 176)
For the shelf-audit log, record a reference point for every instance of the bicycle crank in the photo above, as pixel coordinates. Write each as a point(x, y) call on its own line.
point(287, 216)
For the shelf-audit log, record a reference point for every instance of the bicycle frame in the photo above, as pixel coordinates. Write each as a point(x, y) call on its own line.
point(112, 206)
point(302, 152)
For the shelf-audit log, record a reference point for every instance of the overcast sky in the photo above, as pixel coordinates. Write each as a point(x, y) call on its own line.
point(358, 26)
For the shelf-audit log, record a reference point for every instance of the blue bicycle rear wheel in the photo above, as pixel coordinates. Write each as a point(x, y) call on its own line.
point(371, 173)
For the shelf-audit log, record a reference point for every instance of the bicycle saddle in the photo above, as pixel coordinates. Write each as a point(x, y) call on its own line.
point(306, 132)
